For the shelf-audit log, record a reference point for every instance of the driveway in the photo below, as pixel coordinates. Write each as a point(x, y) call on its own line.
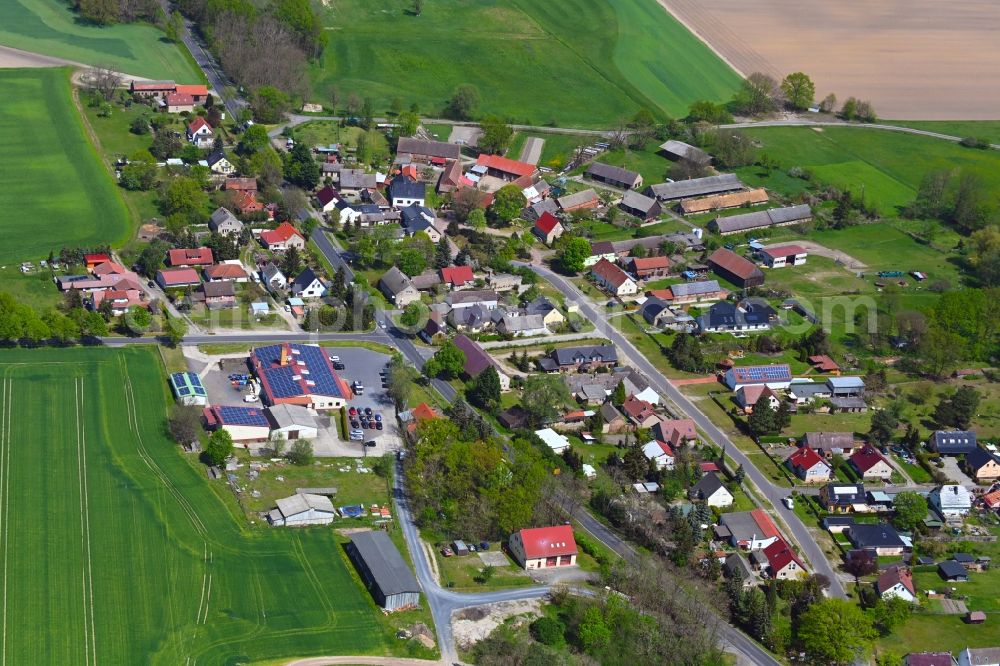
point(955, 472)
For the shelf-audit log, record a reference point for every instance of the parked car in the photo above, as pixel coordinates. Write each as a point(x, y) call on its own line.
point(251, 397)
point(335, 359)
point(370, 443)
point(368, 411)
point(378, 425)
point(353, 411)
point(446, 552)
point(484, 545)
point(339, 366)
point(378, 417)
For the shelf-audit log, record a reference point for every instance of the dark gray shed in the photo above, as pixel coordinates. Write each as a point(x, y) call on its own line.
point(383, 570)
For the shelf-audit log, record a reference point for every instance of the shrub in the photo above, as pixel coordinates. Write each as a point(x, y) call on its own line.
point(547, 631)
point(975, 142)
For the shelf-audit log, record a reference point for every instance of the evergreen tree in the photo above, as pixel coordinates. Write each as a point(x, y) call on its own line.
point(763, 420)
point(442, 254)
point(740, 475)
point(957, 411)
point(618, 395)
point(484, 391)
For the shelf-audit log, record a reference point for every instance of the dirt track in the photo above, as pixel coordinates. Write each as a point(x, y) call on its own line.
point(11, 58)
point(914, 59)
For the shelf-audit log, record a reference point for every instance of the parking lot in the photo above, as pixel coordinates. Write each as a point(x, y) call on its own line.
point(360, 364)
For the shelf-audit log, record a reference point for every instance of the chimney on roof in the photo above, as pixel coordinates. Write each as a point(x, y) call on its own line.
point(284, 355)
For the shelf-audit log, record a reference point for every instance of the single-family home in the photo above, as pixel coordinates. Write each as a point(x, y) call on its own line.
point(308, 285)
point(748, 316)
point(747, 397)
point(780, 256)
point(579, 201)
point(640, 206)
point(982, 465)
point(951, 501)
point(282, 238)
point(405, 191)
point(737, 565)
point(199, 256)
point(979, 657)
point(536, 210)
point(220, 164)
point(803, 392)
point(547, 309)
point(844, 497)
point(353, 182)
point(711, 489)
point(272, 277)
point(522, 325)
point(953, 571)
point(704, 291)
point(660, 453)
point(614, 176)
point(228, 271)
point(774, 376)
point(577, 359)
point(177, 102)
point(199, 133)
point(327, 199)
point(172, 278)
point(953, 442)
point(397, 288)
point(245, 202)
point(676, 432)
point(880, 537)
point(475, 319)
point(896, 581)
point(469, 298)
point(647, 268)
point(809, 465)
point(830, 444)
point(738, 270)
point(558, 443)
point(548, 228)
point(456, 277)
point(613, 279)
point(477, 360)
point(870, 464)
point(218, 295)
point(544, 547)
point(642, 413)
point(120, 300)
point(416, 218)
point(614, 421)
point(600, 250)
point(749, 530)
point(782, 562)
point(224, 222)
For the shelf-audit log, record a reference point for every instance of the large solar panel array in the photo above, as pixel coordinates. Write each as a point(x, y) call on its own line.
point(762, 373)
point(308, 372)
point(238, 415)
point(187, 383)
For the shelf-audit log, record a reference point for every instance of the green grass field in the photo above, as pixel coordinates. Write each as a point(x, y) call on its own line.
point(573, 63)
point(49, 27)
point(55, 191)
point(112, 536)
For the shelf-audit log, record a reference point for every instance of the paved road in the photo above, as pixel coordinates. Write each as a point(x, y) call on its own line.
point(297, 119)
point(772, 493)
point(378, 336)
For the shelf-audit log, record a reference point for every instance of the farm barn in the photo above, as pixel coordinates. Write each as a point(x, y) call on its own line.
point(383, 571)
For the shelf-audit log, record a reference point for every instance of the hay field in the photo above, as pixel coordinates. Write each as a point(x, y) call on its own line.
point(915, 59)
point(116, 550)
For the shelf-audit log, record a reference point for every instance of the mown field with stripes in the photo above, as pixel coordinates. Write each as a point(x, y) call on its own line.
point(115, 550)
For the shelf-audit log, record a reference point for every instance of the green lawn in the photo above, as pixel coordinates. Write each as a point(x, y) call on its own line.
point(983, 129)
point(605, 59)
point(124, 544)
point(50, 27)
point(56, 192)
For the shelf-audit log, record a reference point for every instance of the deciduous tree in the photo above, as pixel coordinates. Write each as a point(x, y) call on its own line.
point(463, 102)
point(799, 90)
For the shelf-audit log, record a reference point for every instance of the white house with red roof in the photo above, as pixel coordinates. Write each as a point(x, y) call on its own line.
point(199, 133)
point(198, 256)
point(870, 464)
point(613, 279)
point(282, 238)
point(660, 453)
point(809, 466)
point(642, 413)
point(121, 300)
point(457, 277)
point(548, 228)
point(544, 547)
point(779, 256)
point(896, 582)
point(783, 563)
point(747, 397)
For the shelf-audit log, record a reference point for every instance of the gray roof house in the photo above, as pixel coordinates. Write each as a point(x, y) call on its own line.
point(641, 206)
point(535, 210)
point(224, 222)
point(953, 442)
point(396, 287)
point(272, 277)
point(308, 285)
point(383, 571)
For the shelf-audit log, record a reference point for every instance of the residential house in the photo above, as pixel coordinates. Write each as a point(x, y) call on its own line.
point(731, 266)
point(501, 282)
point(737, 565)
point(952, 571)
point(327, 199)
point(870, 464)
point(469, 297)
point(579, 359)
point(694, 187)
point(505, 168)
point(558, 443)
point(120, 300)
point(579, 201)
point(930, 659)
point(780, 256)
point(982, 465)
point(675, 432)
point(353, 182)
point(535, 192)
point(416, 218)
point(748, 397)
point(844, 497)
point(397, 288)
point(952, 502)
point(825, 364)
point(200, 133)
point(613, 279)
point(227, 272)
point(200, 256)
point(802, 392)
point(522, 326)
point(282, 238)
point(224, 222)
point(953, 442)
point(475, 319)
point(477, 360)
point(548, 228)
point(240, 184)
point(979, 657)
point(220, 164)
point(774, 217)
point(456, 277)
point(172, 278)
point(450, 178)
point(273, 278)
point(829, 444)
point(879, 537)
point(601, 250)
point(433, 152)
point(658, 313)
point(614, 176)
point(646, 268)
point(774, 376)
point(723, 201)
point(427, 280)
point(536, 210)
point(782, 562)
point(308, 285)
point(176, 102)
point(245, 202)
point(642, 413)
point(809, 465)
point(405, 191)
point(660, 453)
point(544, 547)
point(711, 489)
point(749, 530)
point(218, 295)
point(614, 421)
point(704, 291)
point(640, 206)
point(897, 582)
point(747, 316)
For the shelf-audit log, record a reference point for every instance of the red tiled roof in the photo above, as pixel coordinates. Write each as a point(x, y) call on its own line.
point(649, 263)
point(153, 85)
point(282, 233)
point(752, 394)
point(172, 276)
point(179, 99)
point(548, 541)
point(677, 431)
point(866, 458)
point(109, 268)
point(824, 363)
point(732, 262)
point(225, 272)
point(423, 412)
point(992, 499)
point(506, 165)
point(197, 124)
point(246, 201)
point(804, 458)
point(96, 258)
point(610, 273)
point(785, 250)
point(637, 408)
point(199, 256)
point(764, 522)
point(193, 89)
point(779, 555)
point(241, 184)
point(893, 576)
point(457, 275)
point(547, 222)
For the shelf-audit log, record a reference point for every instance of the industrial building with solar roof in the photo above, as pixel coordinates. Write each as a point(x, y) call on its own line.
point(244, 424)
point(294, 374)
point(187, 389)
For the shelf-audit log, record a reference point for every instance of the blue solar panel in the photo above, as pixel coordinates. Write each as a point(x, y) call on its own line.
point(307, 362)
point(236, 415)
